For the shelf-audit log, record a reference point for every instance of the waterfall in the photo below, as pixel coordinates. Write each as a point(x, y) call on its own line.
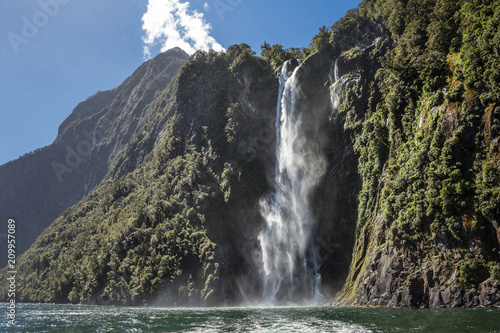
point(336, 87)
point(289, 257)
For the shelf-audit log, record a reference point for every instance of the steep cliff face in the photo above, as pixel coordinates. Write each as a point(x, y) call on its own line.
point(37, 187)
point(427, 230)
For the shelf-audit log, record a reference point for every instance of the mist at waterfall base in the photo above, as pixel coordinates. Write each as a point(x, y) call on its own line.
point(290, 259)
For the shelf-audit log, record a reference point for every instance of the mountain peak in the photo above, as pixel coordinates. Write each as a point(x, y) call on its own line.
point(149, 70)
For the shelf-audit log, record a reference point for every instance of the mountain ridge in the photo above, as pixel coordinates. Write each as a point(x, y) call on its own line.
point(85, 149)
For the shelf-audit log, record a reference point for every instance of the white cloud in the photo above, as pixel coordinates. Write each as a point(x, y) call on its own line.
point(206, 7)
point(171, 23)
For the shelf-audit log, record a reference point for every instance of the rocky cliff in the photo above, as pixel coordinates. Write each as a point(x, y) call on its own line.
point(421, 105)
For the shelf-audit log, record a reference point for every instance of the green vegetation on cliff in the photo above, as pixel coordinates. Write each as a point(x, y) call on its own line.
point(151, 235)
point(428, 149)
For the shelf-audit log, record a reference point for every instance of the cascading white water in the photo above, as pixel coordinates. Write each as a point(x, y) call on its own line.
point(290, 259)
point(336, 89)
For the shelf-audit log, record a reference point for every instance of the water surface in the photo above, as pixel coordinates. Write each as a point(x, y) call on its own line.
point(79, 318)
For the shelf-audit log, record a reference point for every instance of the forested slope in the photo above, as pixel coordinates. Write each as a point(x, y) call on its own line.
point(427, 231)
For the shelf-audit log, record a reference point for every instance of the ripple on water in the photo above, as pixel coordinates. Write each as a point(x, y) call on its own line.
point(70, 318)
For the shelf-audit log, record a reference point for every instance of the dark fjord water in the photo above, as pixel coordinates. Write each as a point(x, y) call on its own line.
point(74, 318)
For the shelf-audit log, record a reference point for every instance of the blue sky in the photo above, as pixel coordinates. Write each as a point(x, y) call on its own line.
point(56, 53)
